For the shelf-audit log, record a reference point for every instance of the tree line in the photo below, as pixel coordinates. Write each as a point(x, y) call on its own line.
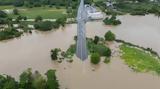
point(29, 80)
point(38, 3)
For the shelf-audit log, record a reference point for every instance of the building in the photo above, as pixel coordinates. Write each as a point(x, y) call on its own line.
point(93, 13)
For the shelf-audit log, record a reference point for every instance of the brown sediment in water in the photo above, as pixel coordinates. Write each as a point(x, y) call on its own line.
point(33, 51)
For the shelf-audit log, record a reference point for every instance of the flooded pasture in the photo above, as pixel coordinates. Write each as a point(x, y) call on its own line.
point(33, 51)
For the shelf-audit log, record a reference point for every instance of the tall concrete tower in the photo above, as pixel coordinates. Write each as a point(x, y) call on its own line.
point(81, 50)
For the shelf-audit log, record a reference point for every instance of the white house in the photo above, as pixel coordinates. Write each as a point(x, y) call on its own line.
point(93, 13)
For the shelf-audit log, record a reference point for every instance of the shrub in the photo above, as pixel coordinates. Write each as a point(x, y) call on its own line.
point(52, 82)
point(55, 25)
point(43, 26)
point(96, 39)
point(15, 11)
point(61, 21)
point(95, 58)
point(102, 50)
point(54, 54)
point(38, 19)
point(112, 21)
point(9, 33)
point(106, 60)
point(70, 51)
point(109, 36)
point(19, 18)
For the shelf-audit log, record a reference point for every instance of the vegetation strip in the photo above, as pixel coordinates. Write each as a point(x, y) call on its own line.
point(139, 60)
point(145, 49)
point(29, 80)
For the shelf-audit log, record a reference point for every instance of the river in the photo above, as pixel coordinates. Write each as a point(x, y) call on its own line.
point(33, 51)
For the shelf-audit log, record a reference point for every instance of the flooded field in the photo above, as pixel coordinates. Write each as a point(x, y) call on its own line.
point(33, 51)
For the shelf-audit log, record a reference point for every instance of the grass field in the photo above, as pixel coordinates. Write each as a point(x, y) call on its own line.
point(140, 60)
point(6, 7)
point(31, 13)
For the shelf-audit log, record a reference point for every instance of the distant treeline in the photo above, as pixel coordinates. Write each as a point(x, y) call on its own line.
point(38, 3)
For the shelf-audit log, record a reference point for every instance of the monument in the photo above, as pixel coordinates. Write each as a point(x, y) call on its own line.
point(81, 49)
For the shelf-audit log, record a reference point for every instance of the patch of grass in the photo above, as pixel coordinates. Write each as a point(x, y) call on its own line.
point(139, 60)
point(6, 7)
point(44, 12)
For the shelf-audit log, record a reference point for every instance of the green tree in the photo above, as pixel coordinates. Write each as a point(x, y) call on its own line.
point(15, 11)
point(102, 50)
point(38, 19)
point(109, 36)
point(52, 82)
point(38, 81)
point(96, 39)
point(44, 26)
point(95, 58)
point(10, 83)
point(61, 21)
point(26, 80)
point(54, 54)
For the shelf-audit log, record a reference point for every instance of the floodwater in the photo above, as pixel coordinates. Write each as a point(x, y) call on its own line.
point(33, 51)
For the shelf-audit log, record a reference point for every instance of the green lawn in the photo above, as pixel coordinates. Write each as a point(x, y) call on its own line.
point(139, 60)
point(47, 13)
point(6, 7)
point(31, 13)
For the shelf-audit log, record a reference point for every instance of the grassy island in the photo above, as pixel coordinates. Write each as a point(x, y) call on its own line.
point(140, 60)
point(97, 48)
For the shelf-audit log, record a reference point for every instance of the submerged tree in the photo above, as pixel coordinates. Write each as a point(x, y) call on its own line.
point(95, 58)
point(52, 82)
point(109, 36)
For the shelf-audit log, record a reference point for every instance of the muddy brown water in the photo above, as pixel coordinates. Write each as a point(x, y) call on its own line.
point(33, 51)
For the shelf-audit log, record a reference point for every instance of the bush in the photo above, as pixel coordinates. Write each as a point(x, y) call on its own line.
point(96, 39)
point(109, 36)
point(9, 33)
point(70, 51)
point(54, 54)
point(19, 18)
point(55, 25)
point(38, 19)
point(43, 26)
point(102, 50)
point(95, 58)
point(15, 11)
point(61, 21)
point(106, 60)
point(52, 82)
point(112, 21)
